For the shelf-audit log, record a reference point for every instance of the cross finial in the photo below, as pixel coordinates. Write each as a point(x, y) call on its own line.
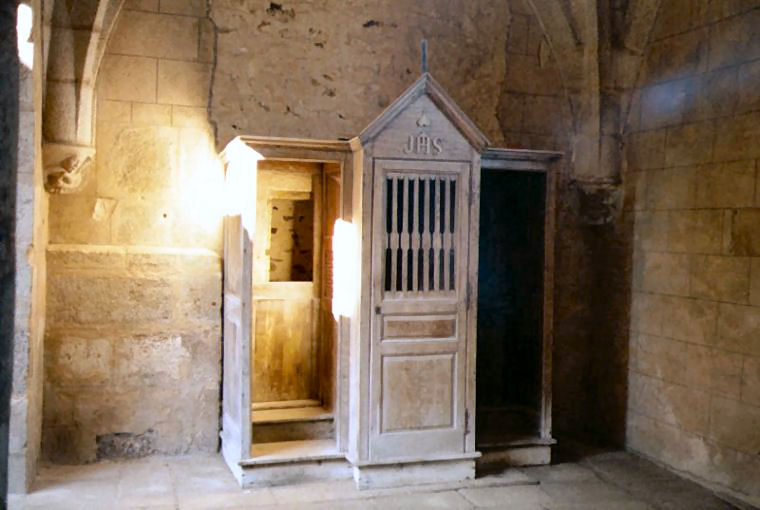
point(424, 56)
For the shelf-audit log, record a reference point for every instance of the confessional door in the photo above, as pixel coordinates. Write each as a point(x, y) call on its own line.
point(419, 294)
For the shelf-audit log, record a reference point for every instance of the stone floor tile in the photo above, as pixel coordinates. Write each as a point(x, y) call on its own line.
point(585, 493)
point(442, 500)
point(568, 472)
point(313, 492)
point(515, 496)
point(680, 494)
point(147, 483)
point(237, 499)
point(617, 505)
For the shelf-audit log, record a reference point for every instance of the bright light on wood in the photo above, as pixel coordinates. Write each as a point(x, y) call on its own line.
point(240, 182)
point(345, 274)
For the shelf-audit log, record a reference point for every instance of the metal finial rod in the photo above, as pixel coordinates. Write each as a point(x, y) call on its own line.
point(424, 56)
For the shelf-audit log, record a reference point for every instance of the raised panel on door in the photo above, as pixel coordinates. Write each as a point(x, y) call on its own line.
point(418, 349)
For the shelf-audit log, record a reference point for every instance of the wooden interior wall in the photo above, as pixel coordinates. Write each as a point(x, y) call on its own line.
point(328, 352)
point(286, 341)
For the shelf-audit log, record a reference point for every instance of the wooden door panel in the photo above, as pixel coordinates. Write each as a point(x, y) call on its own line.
point(237, 338)
point(418, 333)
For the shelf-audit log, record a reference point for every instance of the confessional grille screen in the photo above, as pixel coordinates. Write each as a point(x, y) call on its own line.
point(421, 228)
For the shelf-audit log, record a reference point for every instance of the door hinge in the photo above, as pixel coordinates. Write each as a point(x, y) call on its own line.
point(466, 421)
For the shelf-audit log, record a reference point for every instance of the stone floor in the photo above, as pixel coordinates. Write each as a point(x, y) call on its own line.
point(614, 481)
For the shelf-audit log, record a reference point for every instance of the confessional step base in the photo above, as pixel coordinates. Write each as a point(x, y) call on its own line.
point(294, 462)
point(272, 425)
point(292, 442)
point(507, 436)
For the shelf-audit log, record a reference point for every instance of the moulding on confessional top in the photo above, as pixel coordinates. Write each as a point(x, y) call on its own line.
point(65, 166)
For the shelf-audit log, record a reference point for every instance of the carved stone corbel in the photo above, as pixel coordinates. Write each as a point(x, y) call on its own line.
point(66, 166)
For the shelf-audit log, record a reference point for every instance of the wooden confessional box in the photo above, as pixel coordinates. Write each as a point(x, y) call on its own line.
point(398, 386)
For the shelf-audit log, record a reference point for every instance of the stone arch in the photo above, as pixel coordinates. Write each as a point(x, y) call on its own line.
point(78, 34)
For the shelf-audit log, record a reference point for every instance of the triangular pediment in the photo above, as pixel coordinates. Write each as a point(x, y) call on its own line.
point(427, 86)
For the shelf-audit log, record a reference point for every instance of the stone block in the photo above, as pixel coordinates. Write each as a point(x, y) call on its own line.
point(183, 83)
point(187, 7)
point(737, 137)
point(714, 370)
point(85, 299)
point(739, 329)
point(114, 111)
point(677, 57)
point(144, 361)
point(735, 424)
point(735, 40)
point(141, 5)
point(662, 358)
point(134, 159)
point(670, 188)
point(665, 273)
point(745, 232)
point(170, 261)
point(691, 320)
point(145, 219)
point(151, 114)
point(714, 95)
point(675, 404)
point(71, 221)
point(146, 34)
point(525, 75)
point(751, 381)
point(199, 298)
point(74, 361)
point(647, 313)
point(64, 257)
point(725, 185)
point(128, 78)
point(749, 87)
point(754, 286)
point(542, 117)
point(190, 117)
point(646, 150)
point(690, 144)
point(635, 188)
point(517, 41)
point(207, 41)
point(664, 104)
point(695, 231)
point(721, 278)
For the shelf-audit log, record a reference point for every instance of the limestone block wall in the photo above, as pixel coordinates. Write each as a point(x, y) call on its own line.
point(693, 156)
point(132, 355)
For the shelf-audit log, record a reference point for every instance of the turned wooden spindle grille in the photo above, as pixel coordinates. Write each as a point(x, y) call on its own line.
point(420, 231)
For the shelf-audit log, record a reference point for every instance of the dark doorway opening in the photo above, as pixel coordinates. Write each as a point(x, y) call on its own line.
point(510, 306)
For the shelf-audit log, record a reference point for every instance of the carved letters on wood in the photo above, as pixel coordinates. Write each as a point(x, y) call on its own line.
point(423, 144)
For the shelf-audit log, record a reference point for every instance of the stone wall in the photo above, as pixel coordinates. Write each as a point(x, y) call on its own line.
point(693, 148)
point(9, 117)
point(31, 238)
point(132, 355)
